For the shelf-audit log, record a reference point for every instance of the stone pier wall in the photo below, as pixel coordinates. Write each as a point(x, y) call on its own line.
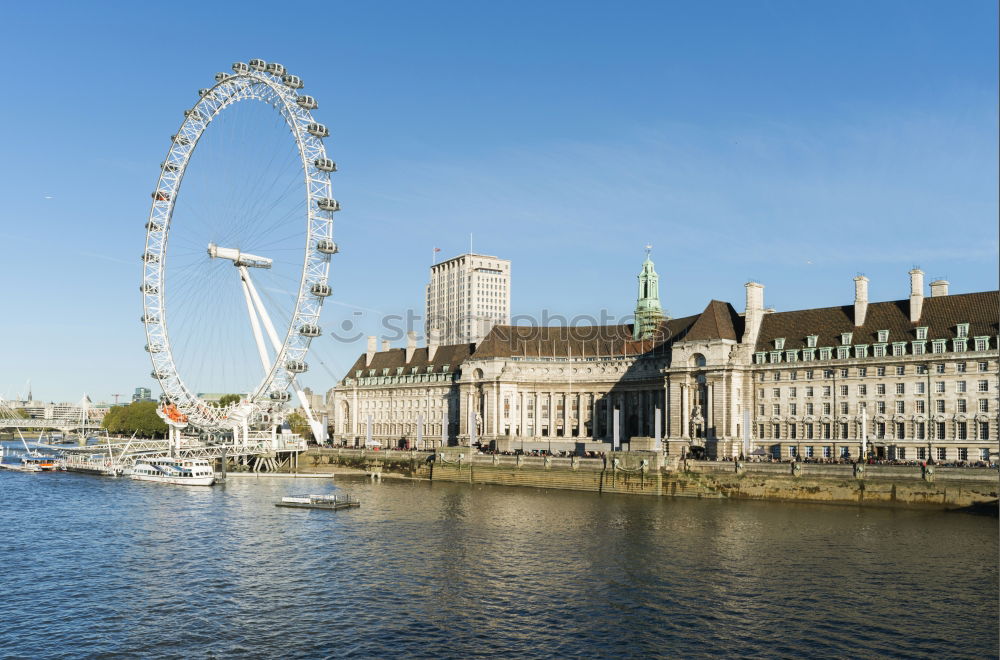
point(647, 473)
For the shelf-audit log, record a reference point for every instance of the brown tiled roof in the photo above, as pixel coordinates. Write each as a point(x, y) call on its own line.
point(940, 315)
point(578, 341)
point(453, 355)
point(718, 321)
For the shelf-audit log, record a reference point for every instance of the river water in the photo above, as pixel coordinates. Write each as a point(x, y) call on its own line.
point(99, 567)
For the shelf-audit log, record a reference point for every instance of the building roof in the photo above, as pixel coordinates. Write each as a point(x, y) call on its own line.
point(577, 341)
point(452, 355)
point(939, 314)
point(718, 321)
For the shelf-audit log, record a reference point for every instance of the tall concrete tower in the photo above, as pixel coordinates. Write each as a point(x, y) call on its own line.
point(648, 312)
point(468, 295)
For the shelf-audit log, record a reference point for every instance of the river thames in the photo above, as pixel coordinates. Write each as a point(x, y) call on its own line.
point(98, 567)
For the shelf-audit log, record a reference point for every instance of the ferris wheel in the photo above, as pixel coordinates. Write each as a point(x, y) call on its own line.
point(236, 265)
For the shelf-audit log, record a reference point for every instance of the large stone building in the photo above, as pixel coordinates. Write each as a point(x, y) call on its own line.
point(466, 296)
point(908, 379)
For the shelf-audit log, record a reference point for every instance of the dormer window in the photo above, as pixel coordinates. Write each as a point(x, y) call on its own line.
point(825, 353)
point(922, 333)
point(779, 343)
point(883, 336)
point(843, 352)
point(811, 341)
point(430, 369)
point(446, 368)
point(861, 351)
point(759, 358)
point(357, 374)
point(845, 338)
point(963, 330)
point(776, 356)
point(399, 371)
point(385, 372)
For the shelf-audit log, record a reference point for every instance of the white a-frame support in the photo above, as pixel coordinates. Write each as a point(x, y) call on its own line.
point(256, 308)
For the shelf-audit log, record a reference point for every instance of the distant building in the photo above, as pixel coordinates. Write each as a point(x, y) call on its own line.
point(142, 394)
point(468, 295)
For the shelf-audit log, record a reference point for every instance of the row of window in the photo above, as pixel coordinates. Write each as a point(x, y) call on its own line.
point(961, 387)
point(896, 349)
point(961, 332)
point(862, 372)
point(880, 407)
point(898, 453)
point(918, 431)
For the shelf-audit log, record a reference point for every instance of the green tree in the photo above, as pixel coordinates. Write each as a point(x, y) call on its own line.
point(299, 424)
point(227, 399)
point(21, 413)
point(138, 417)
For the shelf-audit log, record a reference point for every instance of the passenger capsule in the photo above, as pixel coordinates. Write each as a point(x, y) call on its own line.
point(292, 81)
point(240, 67)
point(192, 113)
point(327, 204)
point(325, 165)
point(320, 290)
point(179, 139)
point(202, 92)
point(317, 129)
point(161, 196)
point(150, 257)
point(148, 288)
point(307, 102)
point(154, 226)
point(222, 75)
point(258, 65)
point(153, 348)
point(169, 167)
point(309, 330)
point(280, 396)
point(296, 366)
point(326, 246)
point(275, 69)
point(146, 318)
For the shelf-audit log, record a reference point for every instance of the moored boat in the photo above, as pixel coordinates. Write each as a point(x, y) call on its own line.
point(334, 502)
point(180, 471)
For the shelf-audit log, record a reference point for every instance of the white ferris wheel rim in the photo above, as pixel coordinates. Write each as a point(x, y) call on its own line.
point(278, 90)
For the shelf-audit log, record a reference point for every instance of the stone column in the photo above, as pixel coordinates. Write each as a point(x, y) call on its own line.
point(641, 413)
point(593, 416)
point(609, 406)
point(537, 417)
point(497, 415)
point(685, 422)
point(581, 400)
point(522, 429)
point(709, 412)
point(566, 403)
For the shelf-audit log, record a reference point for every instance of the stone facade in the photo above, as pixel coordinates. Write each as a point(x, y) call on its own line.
point(910, 379)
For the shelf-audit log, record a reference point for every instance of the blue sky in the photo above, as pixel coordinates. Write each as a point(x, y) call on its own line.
point(796, 143)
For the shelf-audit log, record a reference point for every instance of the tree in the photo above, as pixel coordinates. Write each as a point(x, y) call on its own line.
point(227, 399)
point(138, 417)
point(299, 424)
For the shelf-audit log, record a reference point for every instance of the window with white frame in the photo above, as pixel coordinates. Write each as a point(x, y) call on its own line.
point(900, 388)
point(811, 341)
point(792, 391)
point(779, 343)
point(760, 410)
point(898, 349)
point(880, 407)
point(984, 366)
point(983, 386)
point(775, 357)
point(960, 367)
point(922, 333)
point(939, 405)
point(984, 430)
point(759, 358)
point(843, 390)
point(809, 390)
point(776, 409)
point(862, 390)
point(961, 405)
point(937, 346)
point(845, 338)
point(883, 336)
point(826, 390)
point(918, 406)
point(843, 408)
point(942, 453)
point(808, 354)
point(919, 387)
point(982, 343)
point(825, 354)
point(919, 347)
point(809, 408)
point(791, 356)
point(776, 392)
point(843, 352)
point(963, 431)
point(900, 407)
point(900, 371)
point(826, 408)
point(861, 351)
point(939, 387)
point(959, 345)
point(984, 405)
point(793, 409)
point(880, 388)
point(960, 386)
point(878, 350)
point(962, 330)
point(879, 371)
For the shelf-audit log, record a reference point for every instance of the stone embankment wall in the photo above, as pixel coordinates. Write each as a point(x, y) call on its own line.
point(645, 473)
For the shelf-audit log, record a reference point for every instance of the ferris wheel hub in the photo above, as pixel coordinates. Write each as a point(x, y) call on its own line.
point(238, 258)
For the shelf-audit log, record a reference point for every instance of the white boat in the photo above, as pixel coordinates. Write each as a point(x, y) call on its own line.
point(182, 471)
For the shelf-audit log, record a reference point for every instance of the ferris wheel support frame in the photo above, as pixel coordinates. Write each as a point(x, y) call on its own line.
point(275, 87)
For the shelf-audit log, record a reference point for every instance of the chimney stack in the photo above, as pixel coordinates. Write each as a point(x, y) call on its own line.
point(371, 351)
point(411, 345)
point(432, 343)
point(939, 288)
point(916, 294)
point(860, 300)
point(754, 312)
point(386, 345)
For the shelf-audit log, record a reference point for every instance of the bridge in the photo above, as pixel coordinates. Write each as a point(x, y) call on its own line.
point(43, 424)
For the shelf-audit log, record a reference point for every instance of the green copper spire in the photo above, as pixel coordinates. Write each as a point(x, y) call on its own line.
point(648, 312)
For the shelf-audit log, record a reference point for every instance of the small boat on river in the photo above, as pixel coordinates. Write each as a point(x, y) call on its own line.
point(334, 502)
